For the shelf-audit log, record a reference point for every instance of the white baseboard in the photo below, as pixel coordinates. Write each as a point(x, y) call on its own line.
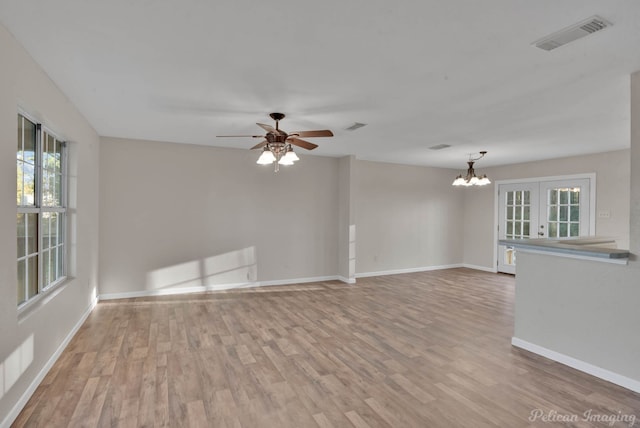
point(216, 287)
point(599, 372)
point(17, 408)
point(297, 281)
point(482, 268)
point(409, 270)
point(346, 280)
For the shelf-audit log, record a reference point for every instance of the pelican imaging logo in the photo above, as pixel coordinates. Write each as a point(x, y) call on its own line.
point(552, 416)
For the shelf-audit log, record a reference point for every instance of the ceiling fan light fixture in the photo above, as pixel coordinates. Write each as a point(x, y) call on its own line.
point(291, 155)
point(285, 161)
point(278, 145)
point(266, 158)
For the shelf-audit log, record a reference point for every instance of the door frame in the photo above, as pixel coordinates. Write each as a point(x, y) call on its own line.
point(496, 202)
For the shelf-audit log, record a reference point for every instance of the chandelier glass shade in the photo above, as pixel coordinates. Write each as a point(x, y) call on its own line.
point(470, 178)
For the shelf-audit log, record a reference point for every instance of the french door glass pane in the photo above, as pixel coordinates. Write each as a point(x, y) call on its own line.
point(575, 229)
point(575, 213)
point(518, 212)
point(563, 212)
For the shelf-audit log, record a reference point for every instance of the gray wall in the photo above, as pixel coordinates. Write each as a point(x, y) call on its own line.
point(406, 217)
point(582, 309)
point(29, 340)
point(180, 216)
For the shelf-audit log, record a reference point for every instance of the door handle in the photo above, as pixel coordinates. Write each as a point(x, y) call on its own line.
point(540, 233)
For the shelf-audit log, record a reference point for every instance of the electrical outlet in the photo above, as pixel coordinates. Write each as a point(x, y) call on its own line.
point(604, 214)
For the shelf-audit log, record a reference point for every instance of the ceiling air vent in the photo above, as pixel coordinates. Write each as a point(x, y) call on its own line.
point(574, 32)
point(439, 147)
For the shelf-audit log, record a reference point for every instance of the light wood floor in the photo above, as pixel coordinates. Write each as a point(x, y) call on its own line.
point(417, 350)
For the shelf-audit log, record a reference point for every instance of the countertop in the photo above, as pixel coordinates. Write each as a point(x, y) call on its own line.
point(589, 247)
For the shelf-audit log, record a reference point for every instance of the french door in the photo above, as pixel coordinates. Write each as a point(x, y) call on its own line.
point(557, 209)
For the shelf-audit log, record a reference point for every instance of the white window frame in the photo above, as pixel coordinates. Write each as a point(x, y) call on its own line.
point(44, 289)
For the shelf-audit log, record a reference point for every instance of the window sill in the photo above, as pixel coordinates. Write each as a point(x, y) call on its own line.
point(44, 297)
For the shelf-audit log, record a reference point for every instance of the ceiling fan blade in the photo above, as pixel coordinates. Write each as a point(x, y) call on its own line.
point(301, 143)
point(243, 136)
point(260, 145)
point(268, 128)
point(309, 134)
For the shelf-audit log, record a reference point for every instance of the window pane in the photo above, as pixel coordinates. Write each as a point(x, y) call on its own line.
point(525, 229)
point(509, 213)
point(53, 265)
point(53, 230)
point(518, 213)
point(564, 196)
point(564, 213)
point(61, 222)
point(509, 198)
point(21, 281)
point(509, 227)
point(526, 197)
point(47, 189)
point(575, 229)
point(32, 233)
point(20, 183)
point(29, 178)
point(553, 213)
point(518, 198)
point(564, 230)
point(553, 197)
point(19, 140)
point(57, 193)
point(60, 261)
point(32, 276)
point(46, 220)
point(575, 197)
point(46, 268)
point(526, 213)
point(518, 228)
point(25, 184)
point(22, 236)
point(29, 141)
point(553, 230)
point(58, 157)
point(575, 213)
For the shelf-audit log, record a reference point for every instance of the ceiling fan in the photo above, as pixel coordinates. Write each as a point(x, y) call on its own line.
point(277, 144)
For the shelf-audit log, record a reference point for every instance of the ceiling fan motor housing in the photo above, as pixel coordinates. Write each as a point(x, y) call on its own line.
point(277, 116)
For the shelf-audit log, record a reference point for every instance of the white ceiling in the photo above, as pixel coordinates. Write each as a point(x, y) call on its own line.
point(418, 72)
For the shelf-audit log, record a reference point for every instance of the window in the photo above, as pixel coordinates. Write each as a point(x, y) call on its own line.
point(41, 220)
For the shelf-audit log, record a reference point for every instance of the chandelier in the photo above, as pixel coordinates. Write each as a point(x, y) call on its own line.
point(471, 179)
point(278, 153)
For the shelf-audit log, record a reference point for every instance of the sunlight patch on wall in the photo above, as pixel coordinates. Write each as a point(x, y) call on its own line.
point(15, 365)
point(234, 267)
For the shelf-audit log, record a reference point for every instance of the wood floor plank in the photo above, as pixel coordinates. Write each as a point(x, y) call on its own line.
point(428, 349)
